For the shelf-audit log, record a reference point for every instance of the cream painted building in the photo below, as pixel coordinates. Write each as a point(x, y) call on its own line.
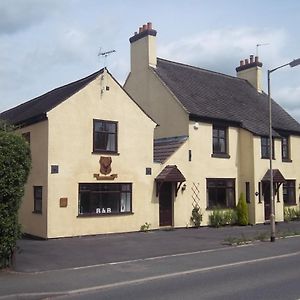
point(216, 128)
point(92, 160)
point(108, 159)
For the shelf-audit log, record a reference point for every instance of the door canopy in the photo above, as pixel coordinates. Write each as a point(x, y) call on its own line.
point(277, 176)
point(169, 174)
point(278, 179)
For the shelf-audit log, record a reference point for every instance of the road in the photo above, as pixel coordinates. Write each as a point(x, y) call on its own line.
point(261, 270)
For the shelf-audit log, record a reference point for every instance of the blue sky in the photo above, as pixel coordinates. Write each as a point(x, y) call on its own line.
point(48, 43)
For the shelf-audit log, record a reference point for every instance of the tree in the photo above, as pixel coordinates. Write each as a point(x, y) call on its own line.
point(242, 211)
point(15, 163)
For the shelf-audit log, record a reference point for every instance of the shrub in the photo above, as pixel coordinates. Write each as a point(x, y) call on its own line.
point(220, 217)
point(291, 213)
point(230, 217)
point(15, 164)
point(242, 211)
point(196, 217)
point(145, 227)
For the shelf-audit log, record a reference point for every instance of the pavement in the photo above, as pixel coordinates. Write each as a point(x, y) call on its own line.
point(67, 253)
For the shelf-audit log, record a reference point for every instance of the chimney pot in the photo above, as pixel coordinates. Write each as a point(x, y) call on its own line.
point(149, 24)
point(145, 27)
point(241, 62)
point(135, 33)
point(246, 61)
point(251, 58)
point(140, 29)
point(256, 58)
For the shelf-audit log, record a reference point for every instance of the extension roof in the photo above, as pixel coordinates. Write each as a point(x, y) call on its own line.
point(165, 147)
point(35, 110)
point(210, 96)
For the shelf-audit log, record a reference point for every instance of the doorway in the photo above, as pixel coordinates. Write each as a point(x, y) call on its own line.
point(267, 199)
point(166, 204)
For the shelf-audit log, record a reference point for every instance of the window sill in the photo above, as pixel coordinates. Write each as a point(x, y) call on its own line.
point(288, 160)
point(37, 212)
point(106, 152)
point(220, 155)
point(104, 215)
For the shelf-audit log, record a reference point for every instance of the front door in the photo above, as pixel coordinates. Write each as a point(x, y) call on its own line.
point(267, 199)
point(166, 204)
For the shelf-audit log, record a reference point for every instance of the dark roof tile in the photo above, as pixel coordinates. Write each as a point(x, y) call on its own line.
point(165, 147)
point(36, 109)
point(215, 96)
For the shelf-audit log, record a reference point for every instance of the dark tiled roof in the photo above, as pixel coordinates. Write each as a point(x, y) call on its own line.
point(277, 176)
point(165, 147)
point(212, 96)
point(36, 109)
point(170, 174)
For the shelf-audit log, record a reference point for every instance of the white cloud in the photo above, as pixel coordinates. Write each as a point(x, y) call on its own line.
point(222, 49)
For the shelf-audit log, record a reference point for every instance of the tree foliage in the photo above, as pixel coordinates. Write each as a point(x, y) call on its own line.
point(15, 163)
point(242, 211)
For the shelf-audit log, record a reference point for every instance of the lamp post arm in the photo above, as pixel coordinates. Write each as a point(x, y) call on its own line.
point(270, 71)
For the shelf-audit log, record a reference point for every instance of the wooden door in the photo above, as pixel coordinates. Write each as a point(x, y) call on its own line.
point(267, 199)
point(166, 204)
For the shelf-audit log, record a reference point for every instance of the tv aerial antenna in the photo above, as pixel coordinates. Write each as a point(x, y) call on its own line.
point(259, 45)
point(105, 54)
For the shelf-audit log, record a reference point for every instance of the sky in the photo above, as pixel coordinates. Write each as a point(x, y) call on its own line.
point(45, 44)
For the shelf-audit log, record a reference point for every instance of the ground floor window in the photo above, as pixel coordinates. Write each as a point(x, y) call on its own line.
point(105, 198)
point(289, 192)
point(37, 199)
point(220, 193)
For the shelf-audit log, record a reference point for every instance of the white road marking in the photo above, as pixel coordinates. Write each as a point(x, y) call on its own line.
point(146, 279)
point(133, 260)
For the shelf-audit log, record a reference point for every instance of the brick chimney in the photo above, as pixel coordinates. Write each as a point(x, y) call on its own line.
point(251, 70)
point(143, 48)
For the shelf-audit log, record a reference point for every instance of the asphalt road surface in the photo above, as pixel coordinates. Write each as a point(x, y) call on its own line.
point(261, 270)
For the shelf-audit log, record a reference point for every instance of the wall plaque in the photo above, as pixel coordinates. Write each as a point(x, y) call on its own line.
point(63, 202)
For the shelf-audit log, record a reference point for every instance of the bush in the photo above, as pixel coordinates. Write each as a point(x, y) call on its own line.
point(145, 227)
point(15, 165)
point(291, 214)
point(196, 217)
point(221, 217)
point(242, 211)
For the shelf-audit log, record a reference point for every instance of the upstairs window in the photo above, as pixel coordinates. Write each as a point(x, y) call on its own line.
point(219, 139)
point(105, 136)
point(285, 149)
point(289, 192)
point(265, 147)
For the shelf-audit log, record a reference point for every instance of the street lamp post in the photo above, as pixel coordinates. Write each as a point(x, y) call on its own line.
point(292, 64)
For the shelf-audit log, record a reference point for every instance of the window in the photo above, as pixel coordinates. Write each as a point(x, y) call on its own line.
point(104, 198)
point(289, 192)
point(219, 140)
point(105, 136)
point(37, 199)
point(265, 147)
point(248, 192)
point(285, 151)
point(220, 193)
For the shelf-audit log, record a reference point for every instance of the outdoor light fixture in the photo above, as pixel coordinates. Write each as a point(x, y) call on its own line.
point(292, 64)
